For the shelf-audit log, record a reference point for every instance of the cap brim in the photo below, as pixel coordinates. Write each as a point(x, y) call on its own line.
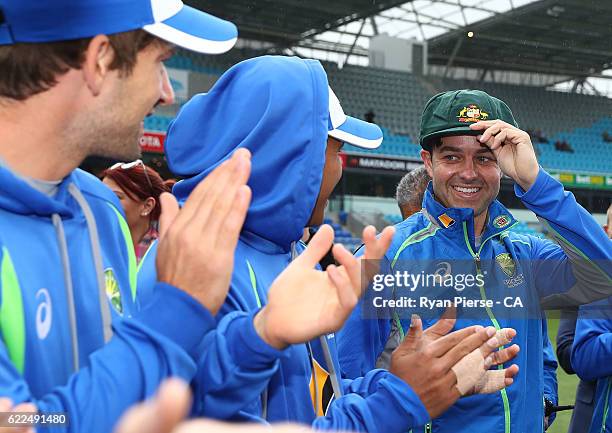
point(457, 130)
point(196, 31)
point(358, 133)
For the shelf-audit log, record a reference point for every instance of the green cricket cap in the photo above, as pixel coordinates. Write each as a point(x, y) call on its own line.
point(451, 113)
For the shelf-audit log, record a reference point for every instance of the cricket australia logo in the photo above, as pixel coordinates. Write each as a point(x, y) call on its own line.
point(112, 290)
point(472, 113)
point(506, 263)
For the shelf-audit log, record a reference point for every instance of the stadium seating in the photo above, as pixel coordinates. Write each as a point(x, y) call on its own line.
point(585, 141)
point(524, 229)
point(393, 218)
point(157, 123)
point(397, 98)
point(192, 62)
point(343, 236)
point(218, 64)
point(591, 153)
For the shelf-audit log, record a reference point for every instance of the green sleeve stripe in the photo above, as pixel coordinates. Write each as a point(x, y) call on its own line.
point(504, 235)
point(576, 250)
point(11, 313)
point(144, 257)
point(398, 324)
point(521, 242)
point(416, 237)
point(253, 283)
point(606, 408)
point(129, 245)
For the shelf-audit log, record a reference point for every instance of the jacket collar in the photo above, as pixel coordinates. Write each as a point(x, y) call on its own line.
point(452, 219)
point(18, 196)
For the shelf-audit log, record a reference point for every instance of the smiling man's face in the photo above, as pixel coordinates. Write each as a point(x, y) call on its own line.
point(465, 173)
point(117, 123)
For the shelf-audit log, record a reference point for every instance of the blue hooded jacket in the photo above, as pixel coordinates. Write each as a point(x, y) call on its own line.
point(277, 107)
point(67, 278)
point(362, 350)
point(577, 269)
point(592, 358)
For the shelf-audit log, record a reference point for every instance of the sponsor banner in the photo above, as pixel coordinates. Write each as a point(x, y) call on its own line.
point(357, 161)
point(179, 78)
point(375, 162)
point(152, 142)
point(580, 180)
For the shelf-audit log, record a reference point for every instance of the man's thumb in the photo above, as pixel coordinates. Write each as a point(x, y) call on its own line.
point(318, 246)
point(414, 339)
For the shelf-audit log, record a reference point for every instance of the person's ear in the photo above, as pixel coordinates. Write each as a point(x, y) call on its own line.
point(427, 160)
point(404, 211)
point(148, 206)
point(99, 55)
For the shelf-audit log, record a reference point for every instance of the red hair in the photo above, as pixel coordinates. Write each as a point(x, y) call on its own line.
point(133, 181)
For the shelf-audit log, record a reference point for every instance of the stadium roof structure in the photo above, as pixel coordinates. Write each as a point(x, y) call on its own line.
point(572, 38)
point(568, 37)
point(290, 22)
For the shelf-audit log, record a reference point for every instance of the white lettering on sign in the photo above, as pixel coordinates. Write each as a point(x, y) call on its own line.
point(382, 163)
point(150, 141)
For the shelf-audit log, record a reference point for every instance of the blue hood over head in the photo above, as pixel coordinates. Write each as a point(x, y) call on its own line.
point(278, 108)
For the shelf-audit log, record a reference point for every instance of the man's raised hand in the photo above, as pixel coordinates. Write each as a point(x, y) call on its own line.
point(513, 149)
point(304, 303)
point(197, 242)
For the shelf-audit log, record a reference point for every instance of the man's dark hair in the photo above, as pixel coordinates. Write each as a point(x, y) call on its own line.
point(434, 143)
point(29, 69)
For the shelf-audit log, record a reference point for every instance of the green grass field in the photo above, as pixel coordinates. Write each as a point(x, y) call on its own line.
point(567, 386)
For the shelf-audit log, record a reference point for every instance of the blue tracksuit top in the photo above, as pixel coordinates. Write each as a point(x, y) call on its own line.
point(592, 358)
point(277, 107)
point(541, 273)
point(67, 286)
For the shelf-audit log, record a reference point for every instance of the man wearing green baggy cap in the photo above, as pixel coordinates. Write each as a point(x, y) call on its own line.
point(469, 140)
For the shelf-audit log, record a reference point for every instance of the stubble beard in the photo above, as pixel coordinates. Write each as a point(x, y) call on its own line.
point(116, 140)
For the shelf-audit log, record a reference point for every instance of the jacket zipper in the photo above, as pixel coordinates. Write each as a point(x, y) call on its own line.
point(483, 295)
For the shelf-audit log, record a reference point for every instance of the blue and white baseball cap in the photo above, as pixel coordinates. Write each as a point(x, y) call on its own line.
point(38, 21)
point(350, 129)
